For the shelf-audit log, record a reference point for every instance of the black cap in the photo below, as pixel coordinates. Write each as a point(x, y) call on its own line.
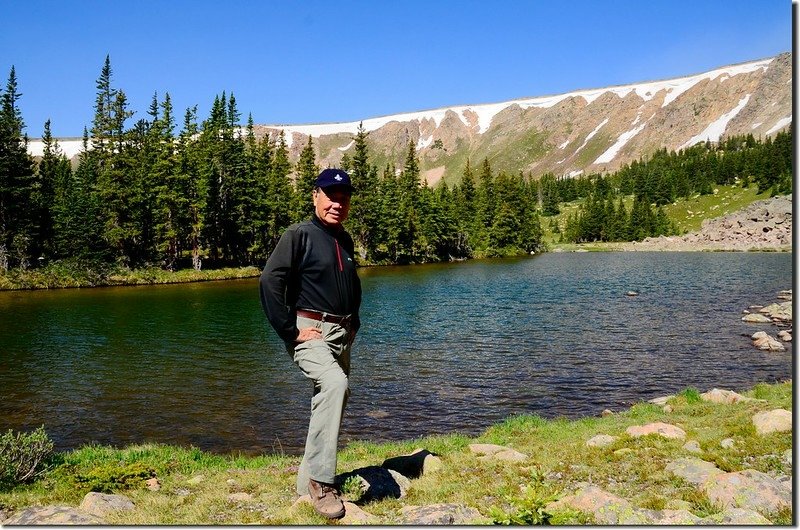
point(333, 177)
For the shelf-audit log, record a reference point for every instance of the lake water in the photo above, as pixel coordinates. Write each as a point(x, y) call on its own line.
point(444, 348)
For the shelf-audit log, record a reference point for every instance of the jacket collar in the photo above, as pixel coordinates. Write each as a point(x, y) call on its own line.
point(334, 231)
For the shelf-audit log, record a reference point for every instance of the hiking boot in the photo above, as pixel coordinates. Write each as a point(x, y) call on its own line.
point(325, 500)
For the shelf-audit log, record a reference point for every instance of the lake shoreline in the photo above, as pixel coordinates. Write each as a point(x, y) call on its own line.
point(35, 280)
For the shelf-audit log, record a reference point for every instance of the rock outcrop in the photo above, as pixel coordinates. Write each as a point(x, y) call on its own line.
point(763, 225)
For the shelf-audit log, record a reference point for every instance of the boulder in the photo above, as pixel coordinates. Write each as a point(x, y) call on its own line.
point(606, 507)
point(749, 489)
point(693, 446)
point(787, 456)
point(781, 311)
point(606, 413)
point(739, 516)
point(441, 514)
point(778, 420)
point(785, 336)
point(727, 443)
point(353, 515)
point(239, 497)
point(661, 429)
point(670, 517)
point(756, 318)
point(662, 400)
point(101, 504)
point(497, 452)
point(52, 515)
point(693, 470)
point(153, 484)
point(601, 440)
point(766, 342)
point(727, 397)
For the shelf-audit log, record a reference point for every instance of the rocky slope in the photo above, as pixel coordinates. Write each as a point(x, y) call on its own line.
point(763, 225)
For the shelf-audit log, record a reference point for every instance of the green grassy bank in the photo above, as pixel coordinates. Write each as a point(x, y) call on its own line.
point(61, 276)
point(196, 486)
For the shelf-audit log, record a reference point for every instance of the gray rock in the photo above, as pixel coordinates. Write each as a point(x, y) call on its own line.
point(693, 446)
point(669, 517)
point(787, 456)
point(727, 397)
point(497, 452)
point(354, 515)
point(755, 318)
point(693, 470)
point(662, 400)
point(240, 497)
point(101, 504)
point(601, 440)
point(52, 515)
point(738, 516)
point(778, 420)
point(767, 342)
point(442, 514)
point(727, 443)
point(607, 508)
point(748, 489)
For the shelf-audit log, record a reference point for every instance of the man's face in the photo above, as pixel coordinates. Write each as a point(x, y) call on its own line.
point(332, 205)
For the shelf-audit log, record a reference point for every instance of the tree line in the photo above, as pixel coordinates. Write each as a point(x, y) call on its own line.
point(662, 179)
point(210, 193)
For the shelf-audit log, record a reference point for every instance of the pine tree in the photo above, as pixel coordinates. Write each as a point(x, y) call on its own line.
point(17, 225)
point(363, 220)
point(307, 171)
point(53, 178)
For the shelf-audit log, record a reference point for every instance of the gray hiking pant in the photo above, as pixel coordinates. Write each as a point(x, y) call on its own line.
point(326, 362)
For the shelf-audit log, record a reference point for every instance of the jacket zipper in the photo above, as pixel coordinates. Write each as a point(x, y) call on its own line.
point(339, 255)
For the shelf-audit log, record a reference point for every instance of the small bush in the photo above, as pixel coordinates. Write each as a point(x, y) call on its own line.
point(22, 455)
point(692, 395)
point(530, 509)
point(108, 478)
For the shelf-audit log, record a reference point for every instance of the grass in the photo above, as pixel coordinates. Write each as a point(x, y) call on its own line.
point(59, 275)
point(195, 486)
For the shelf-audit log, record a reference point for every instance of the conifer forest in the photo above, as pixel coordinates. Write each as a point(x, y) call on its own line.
point(178, 192)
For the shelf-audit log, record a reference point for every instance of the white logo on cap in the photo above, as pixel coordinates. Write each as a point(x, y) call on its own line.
point(338, 177)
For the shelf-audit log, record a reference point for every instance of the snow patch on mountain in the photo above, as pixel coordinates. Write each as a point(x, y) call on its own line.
point(716, 128)
point(783, 122)
point(623, 139)
point(590, 135)
point(348, 146)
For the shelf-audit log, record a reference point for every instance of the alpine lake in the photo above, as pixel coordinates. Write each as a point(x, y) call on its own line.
point(444, 348)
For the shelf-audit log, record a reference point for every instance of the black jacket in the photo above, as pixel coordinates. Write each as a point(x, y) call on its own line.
point(312, 267)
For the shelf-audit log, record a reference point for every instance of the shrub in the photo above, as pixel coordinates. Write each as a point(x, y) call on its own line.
point(22, 455)
point(108, 478)
point(531, 508)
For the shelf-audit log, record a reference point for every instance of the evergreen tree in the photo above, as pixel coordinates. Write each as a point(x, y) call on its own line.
point(17, 224)
point(307, 171)
point(53, 178)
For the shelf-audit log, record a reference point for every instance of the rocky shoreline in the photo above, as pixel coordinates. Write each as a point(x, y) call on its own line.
point(764, 225)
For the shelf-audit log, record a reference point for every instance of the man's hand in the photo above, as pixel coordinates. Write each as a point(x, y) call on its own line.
point(308, 334)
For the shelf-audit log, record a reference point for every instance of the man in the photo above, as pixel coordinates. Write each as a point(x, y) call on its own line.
point(311, 294)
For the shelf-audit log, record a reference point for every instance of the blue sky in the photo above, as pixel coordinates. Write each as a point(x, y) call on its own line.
point(295, 62)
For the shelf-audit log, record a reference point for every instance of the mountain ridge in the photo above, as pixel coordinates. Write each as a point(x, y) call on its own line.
point(581, 131)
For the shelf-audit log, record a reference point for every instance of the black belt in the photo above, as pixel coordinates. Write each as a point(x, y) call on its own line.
point(324, 317)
